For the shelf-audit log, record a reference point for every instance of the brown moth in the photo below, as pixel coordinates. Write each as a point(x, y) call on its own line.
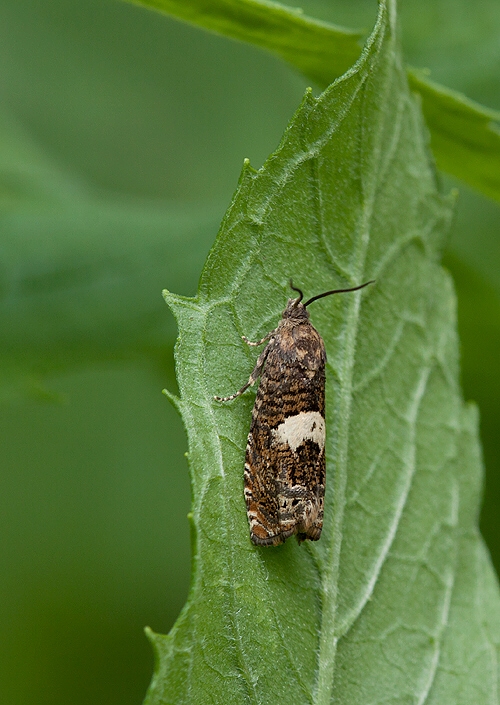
point(285, 455)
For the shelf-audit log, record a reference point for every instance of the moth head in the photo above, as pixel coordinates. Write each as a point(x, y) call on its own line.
point(296, 310)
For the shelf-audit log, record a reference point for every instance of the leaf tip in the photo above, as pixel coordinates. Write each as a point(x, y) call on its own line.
point(308, 100)
point(171, 298)
point(247, 168)
point(176, 302)
point(173, 399)
point(161, 644)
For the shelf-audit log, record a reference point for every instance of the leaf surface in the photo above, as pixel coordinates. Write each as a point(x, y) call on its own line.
point(390, 605)
point(465, 135)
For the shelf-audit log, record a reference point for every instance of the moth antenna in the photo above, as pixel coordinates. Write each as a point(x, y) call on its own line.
point(299, 291)
point(334, 291)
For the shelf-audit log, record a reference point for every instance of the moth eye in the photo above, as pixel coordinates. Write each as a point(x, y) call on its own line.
point(295, 502)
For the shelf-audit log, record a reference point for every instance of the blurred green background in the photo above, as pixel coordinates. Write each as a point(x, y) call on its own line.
point(122, 134)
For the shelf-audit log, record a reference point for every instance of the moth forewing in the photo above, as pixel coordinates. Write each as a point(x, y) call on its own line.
point(285, 453)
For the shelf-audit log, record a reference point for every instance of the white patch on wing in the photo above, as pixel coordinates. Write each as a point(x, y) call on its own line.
point(306, 426)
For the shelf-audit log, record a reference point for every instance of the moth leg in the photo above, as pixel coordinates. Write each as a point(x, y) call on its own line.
point(253, 377)
point(259, 342)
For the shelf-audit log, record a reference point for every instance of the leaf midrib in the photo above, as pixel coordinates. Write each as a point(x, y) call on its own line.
point(330, 577)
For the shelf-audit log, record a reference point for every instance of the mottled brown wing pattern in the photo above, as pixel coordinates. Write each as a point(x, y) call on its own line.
point(285, 456)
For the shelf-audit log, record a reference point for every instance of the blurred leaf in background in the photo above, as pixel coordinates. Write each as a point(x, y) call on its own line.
point(121, 140)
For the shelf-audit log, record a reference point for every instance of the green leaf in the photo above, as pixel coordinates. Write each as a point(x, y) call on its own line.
point(397, 603)
point(316, 48)
point(465, 136)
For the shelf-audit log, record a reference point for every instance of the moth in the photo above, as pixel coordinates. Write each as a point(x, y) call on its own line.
point(285, 454)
